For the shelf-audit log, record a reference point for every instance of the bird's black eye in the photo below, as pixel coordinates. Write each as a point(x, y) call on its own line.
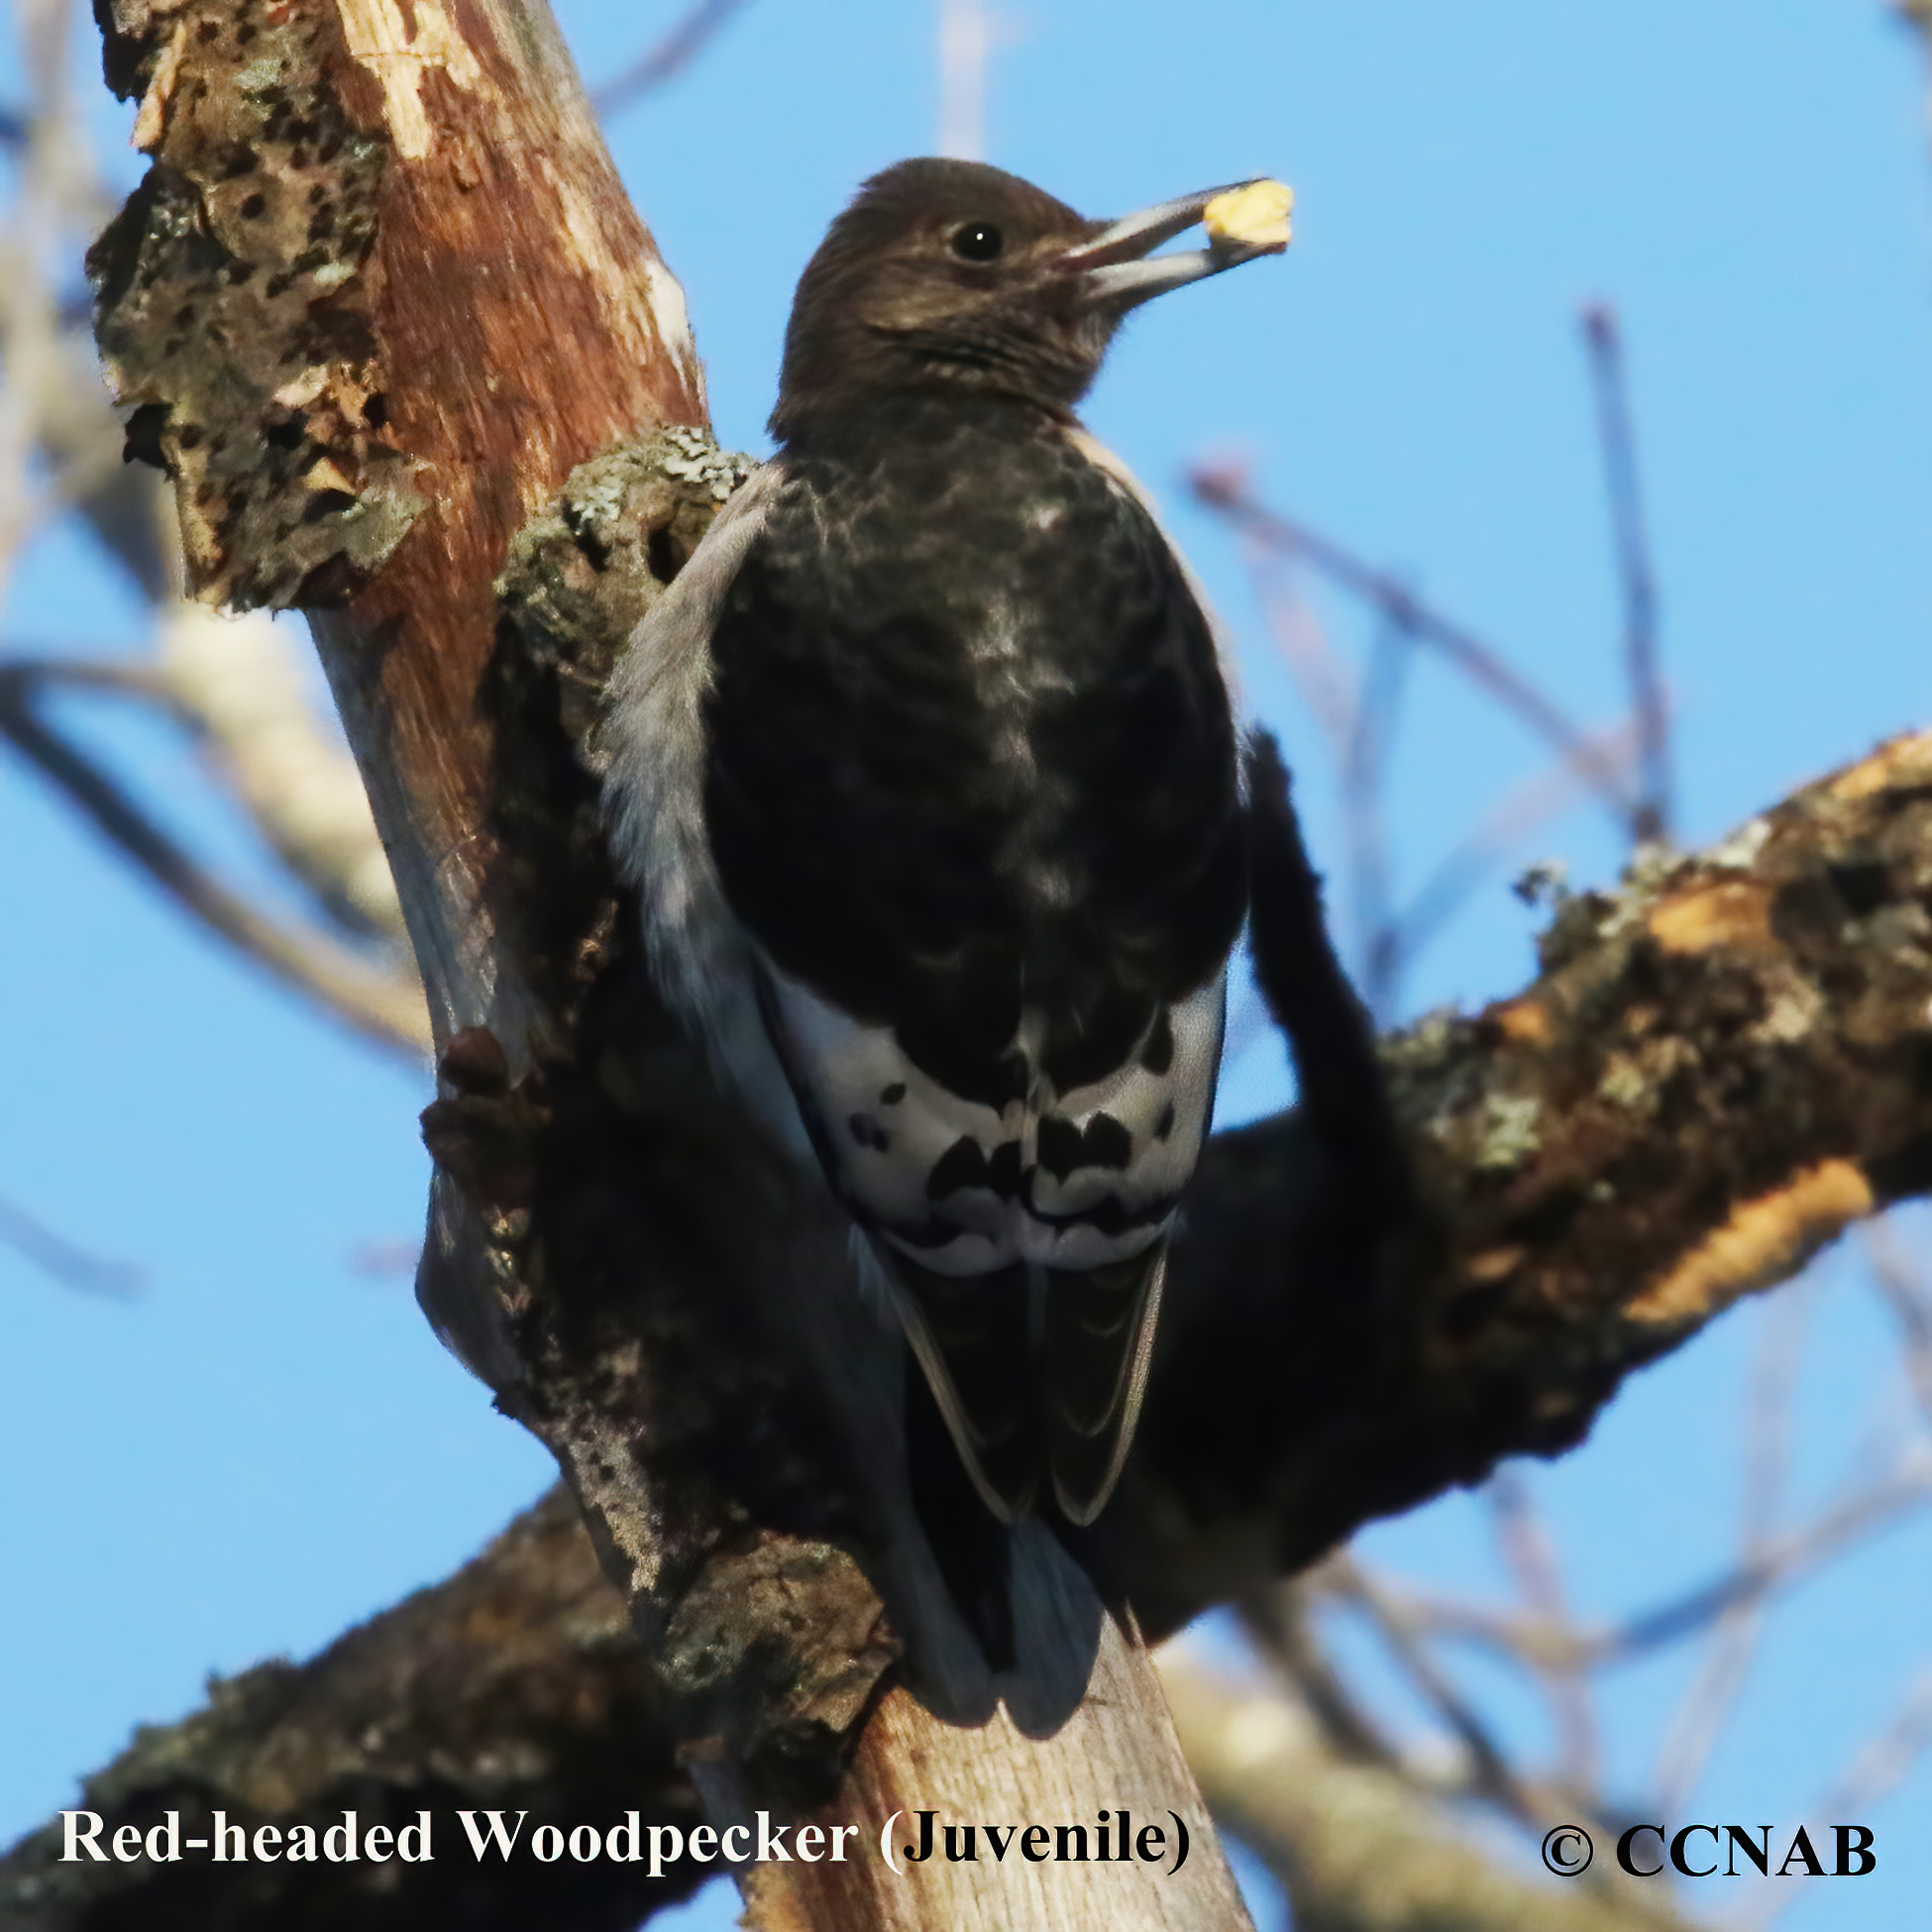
point(978, 241)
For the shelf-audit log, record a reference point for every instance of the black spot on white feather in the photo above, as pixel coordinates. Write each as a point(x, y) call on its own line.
point(1103, 1143)
point(961, 1165)
point(965, 1165)
point(893, 1095)
point(1113, 1216)
point(869, 1134)
point(1166, 1125)
point(1002, 1170)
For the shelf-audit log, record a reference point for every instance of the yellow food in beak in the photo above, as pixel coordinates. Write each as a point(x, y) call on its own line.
point(1253, 217)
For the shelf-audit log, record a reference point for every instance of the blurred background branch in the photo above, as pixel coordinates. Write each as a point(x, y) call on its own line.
point(666, 58)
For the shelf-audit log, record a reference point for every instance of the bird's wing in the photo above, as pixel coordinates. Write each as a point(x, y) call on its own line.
point(962, 1185)
point(1024, 1245)
point(652, 745)
point(980, 830)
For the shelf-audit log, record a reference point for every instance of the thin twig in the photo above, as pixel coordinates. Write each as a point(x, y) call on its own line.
point(245, 706)
point(1907, 1294)
point(269, 745)
point(1530, 1554)
point(1487, 1773)
point(1781, 1562)
point(1277, 1624)
point(1354, 1844)
point(387, 1009)
point(1699, 1720)
point(1224, 492)
point(61, 1261)
point(1604, 342)
point(1491, 1772)
point(1777, 1566)
point(1456, 877)
point(1881, 1765)
point(123, 676)
point(1302, 643)
point(1357, 718)
point(667, 59)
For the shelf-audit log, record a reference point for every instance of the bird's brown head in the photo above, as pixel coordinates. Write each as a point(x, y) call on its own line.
point(951, 276)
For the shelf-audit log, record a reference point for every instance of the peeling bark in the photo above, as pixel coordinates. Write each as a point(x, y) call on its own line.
point(413, 363)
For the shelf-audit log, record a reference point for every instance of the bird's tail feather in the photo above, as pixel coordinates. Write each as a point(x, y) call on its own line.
point(1039, 1373)
point(972, 1335)
point(1095, 1351)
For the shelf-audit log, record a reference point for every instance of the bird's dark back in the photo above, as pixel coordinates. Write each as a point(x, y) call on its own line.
point(970, 742)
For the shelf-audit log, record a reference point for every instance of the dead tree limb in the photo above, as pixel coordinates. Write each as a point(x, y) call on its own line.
point(384, 315)
point(378, 300)
point(514, 1685)
point(1719, 1069)
point(385, 1008)
point(1357, 1847)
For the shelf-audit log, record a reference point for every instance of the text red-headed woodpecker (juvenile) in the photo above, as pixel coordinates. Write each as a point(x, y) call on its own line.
point(929, 778)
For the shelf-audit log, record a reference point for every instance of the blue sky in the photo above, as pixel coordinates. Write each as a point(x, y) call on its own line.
point(266, 1444)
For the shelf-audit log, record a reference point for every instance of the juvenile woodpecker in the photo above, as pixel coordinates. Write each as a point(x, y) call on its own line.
point(926, 774)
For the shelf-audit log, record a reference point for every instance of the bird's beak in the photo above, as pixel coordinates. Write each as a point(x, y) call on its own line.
point(1120, 272)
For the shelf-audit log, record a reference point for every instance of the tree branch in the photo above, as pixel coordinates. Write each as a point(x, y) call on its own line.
point(514, 1685)
point(60, 1261)
point(1720, 1068)
point(1225, 491)
point(1603, 340)
point(667, 59)
point(1558, 1644)
point(239, 681)
point(384, 1007)
point(1353, 1846)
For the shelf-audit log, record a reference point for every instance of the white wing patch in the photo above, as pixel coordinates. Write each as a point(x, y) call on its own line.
point(1067, 1181)
point(654, 742)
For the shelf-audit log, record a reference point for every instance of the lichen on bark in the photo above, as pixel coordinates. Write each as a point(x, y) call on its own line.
point(583, 573)
point(236, 297)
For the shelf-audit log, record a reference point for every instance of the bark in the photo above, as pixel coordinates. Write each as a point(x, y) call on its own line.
point(384, 313)
point(1719, 1068)
point(514, 1685)
point(517, 1685)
